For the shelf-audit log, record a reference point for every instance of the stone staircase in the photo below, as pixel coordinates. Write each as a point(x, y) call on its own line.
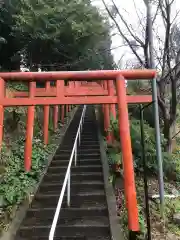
point(87, 218)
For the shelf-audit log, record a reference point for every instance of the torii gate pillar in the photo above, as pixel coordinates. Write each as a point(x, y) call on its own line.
point(125, 139)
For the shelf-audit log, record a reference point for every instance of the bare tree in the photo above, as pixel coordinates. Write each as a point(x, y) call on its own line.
point(167, 52)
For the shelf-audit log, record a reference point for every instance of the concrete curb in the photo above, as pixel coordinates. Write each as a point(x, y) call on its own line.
point(115, 227)
point(10, 234)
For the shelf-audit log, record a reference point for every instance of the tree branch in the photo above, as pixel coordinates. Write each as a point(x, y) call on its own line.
point(123, 35)
point(125, 23)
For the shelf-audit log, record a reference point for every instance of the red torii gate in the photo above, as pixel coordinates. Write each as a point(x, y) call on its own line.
point(106, 88)
point(78, 93)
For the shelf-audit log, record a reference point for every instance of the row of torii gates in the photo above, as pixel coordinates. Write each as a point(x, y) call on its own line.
point(80, 91)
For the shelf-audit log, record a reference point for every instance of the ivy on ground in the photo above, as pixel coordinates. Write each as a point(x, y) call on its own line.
point(16, 183)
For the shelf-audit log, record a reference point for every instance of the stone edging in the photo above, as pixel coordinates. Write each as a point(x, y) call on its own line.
point(10, 234)
point(115, 227)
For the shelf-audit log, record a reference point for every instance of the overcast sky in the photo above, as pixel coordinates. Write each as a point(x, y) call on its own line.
point(133, 12)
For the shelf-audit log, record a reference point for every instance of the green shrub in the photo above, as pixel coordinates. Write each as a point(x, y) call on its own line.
point(171, 163)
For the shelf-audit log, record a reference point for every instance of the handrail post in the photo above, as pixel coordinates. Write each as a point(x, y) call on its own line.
point(79, 137)
point(69, 188)
point(76, 154)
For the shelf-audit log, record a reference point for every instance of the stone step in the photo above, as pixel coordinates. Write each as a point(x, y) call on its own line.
point(78, 169)
point(69, 238)
point(89, 155)
point(56, 177)
point(72, 220)
point(80, 162)
point(92, 230)
point(76, 188)
point(81, 200)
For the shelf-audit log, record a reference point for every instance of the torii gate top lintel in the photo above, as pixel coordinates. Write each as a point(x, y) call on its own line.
point(79, 75)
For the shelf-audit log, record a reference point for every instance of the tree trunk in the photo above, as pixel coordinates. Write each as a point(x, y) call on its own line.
point(169, 132)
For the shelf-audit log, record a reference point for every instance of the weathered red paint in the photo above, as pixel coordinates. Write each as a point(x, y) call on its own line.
point(29, 129)
point(2, 95)
point(125, 138)
point(102, 85)
point(72, 100)
point(107, 118)
point(80, 75)
point(83, 91)
point(55, 117)
point(111, 92)
point(59, 91)
point(67, 92)
point(46, 117)
point(60, 88)
point(107, 122)
point(46, 123)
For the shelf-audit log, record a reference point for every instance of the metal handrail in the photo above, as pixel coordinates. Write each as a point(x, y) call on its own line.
point(67, 180)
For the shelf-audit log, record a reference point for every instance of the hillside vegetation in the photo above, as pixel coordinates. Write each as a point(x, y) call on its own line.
point(51, 35)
